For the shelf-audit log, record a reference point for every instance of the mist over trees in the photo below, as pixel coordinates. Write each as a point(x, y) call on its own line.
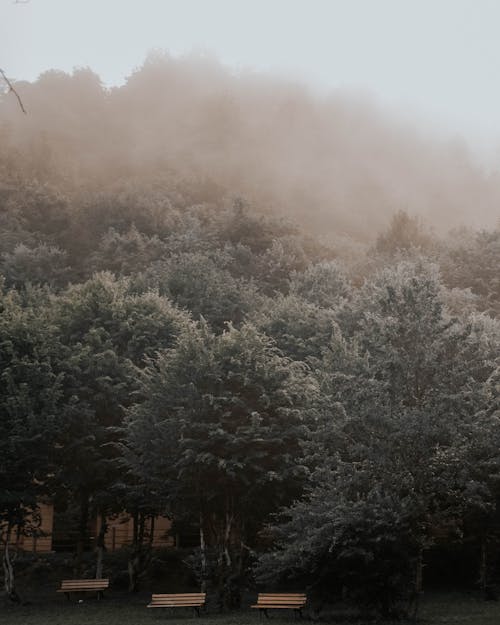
point(266, 315)
point(338, 161)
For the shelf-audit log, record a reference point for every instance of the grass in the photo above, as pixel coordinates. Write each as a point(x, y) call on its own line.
point(117, 609)
point(458, 609)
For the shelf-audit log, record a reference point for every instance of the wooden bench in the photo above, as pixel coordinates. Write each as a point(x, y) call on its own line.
point(280, 601)
point(84, 585)
point(195, 600)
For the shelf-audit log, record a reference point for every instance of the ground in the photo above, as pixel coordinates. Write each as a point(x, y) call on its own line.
point(121, 609)
point(39, 577)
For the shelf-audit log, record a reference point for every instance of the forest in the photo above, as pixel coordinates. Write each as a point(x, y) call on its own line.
point(271, 318)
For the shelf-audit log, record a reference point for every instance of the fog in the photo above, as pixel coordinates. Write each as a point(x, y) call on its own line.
point(338, 162)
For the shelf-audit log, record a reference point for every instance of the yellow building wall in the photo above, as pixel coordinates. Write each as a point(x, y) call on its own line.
point(120, 532)
point(42, 543)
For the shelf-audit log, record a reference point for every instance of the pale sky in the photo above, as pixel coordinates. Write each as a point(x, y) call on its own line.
point(434, 59)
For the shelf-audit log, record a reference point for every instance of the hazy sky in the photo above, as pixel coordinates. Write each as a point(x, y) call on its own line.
point(437, 59)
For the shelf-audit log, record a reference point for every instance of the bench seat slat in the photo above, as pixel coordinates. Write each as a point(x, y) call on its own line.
point(84, 581)
point(280, 600)
point(80, 588)
point(192, 595)
point(176, 604)
point(186, 602)
point(280, 603)
point(282, 596)
point(190, 601)
point(83, 585)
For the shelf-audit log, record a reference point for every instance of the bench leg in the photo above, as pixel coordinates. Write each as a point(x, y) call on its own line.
point(67, 596)
point(263, 611)
point(196, 610)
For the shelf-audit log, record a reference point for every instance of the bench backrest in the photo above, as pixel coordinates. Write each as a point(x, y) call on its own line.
point(81, 584)
point(281, 598)
point(187, 599)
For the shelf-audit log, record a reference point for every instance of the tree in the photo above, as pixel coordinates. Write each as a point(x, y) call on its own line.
point(406, 448)
point(107, 335)
point(219, 432)
point(200, 283)
point(301, 329)
point(469, 260)
point(404, 233)
point(284, 257)
point(42, 264)
point(127, 253)
point(324, 284)
point(30, 401)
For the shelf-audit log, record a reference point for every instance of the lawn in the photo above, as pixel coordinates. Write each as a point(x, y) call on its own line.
point(122, 610)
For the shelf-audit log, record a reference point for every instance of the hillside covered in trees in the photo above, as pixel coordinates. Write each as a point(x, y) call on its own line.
point(270, 317)
point(338, 162)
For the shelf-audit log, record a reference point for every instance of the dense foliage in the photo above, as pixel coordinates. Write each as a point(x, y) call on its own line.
point(320, 413)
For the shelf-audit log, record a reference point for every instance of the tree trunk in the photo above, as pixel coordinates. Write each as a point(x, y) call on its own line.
point(133, 562)
point(135, 527)
point(101, 546)
point(152, 531)
point(227, 539)
point(483, 564)
point(82, 533)
point(243, 548)
point(229, 579)
point(133, 567)
point(417, 591)
point(203, 555)
point(142, 527)
point(419, 572)
point(140, 557)
point(8, 569)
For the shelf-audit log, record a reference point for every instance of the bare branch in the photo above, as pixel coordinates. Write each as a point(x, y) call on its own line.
point(11, 88)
